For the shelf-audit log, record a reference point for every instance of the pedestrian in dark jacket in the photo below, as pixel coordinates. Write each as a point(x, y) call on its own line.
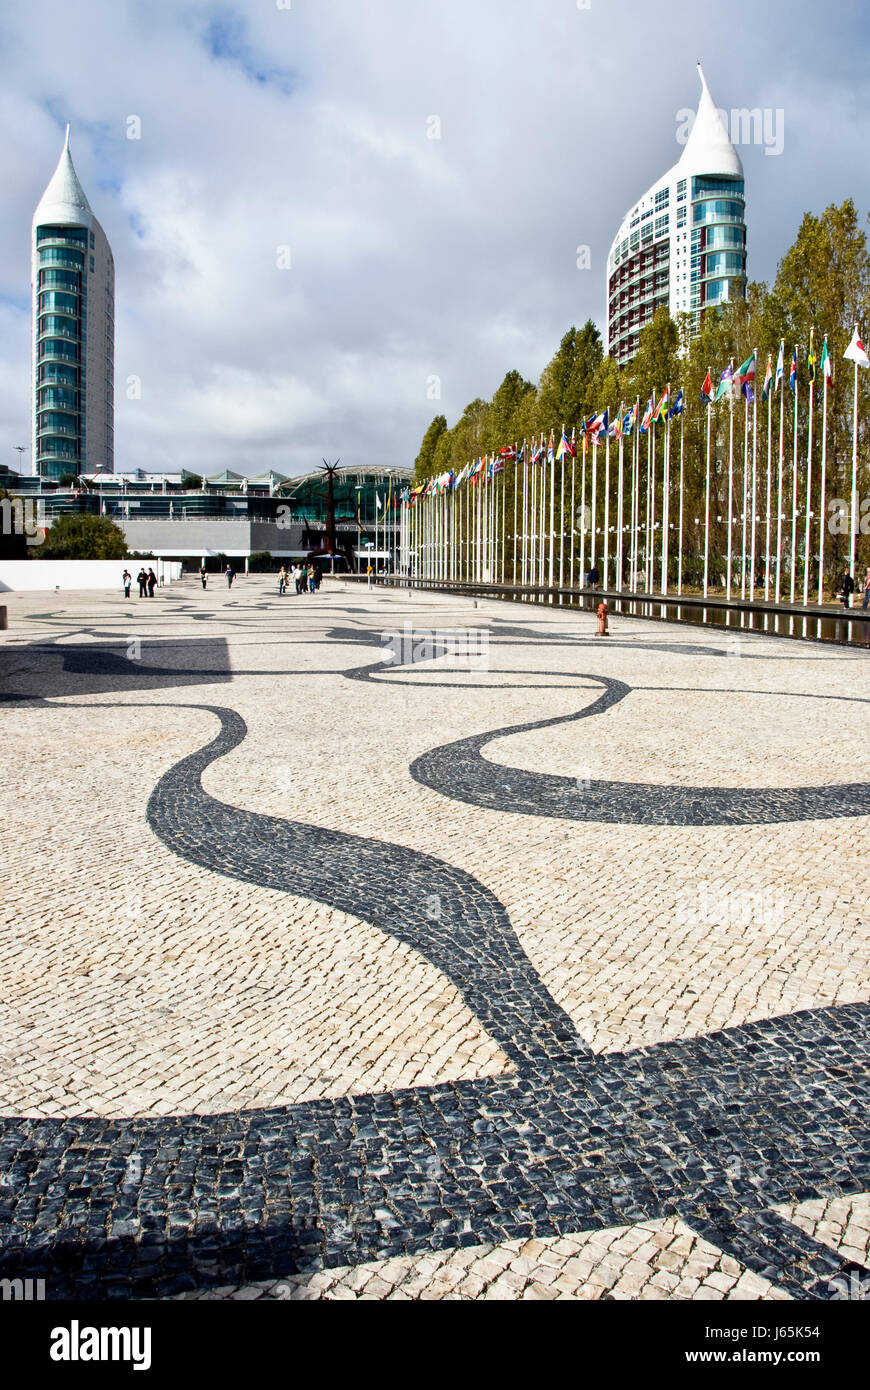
point(142, 581)
point(152, 583)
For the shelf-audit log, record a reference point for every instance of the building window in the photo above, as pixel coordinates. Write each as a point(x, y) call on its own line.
point(91, 259)
point(661, 225)
point(681, 190)
point(663, 198)
point(681, 217)
point(92, 241)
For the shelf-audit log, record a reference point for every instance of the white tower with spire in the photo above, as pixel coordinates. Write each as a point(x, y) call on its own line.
point(683, 244)
point(73, 283)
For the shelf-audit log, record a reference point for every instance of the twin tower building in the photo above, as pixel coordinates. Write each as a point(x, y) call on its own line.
point(682, 245)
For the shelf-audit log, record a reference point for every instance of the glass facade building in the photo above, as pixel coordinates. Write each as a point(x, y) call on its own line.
point(73, 286)
point(683, 245)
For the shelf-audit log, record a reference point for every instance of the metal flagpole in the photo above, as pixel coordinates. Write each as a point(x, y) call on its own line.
point(632, 508)
point(730, 485)
point(524, 538)
point(652, 551)
point(562, 525)
point(650, 434)
point(780, 386)
point(552, 536)
point(516, 495)
point(583, 516)
point(680, 541)
point(593, 548)
point(745, 495)
point(853, 511)
point(605, 549)
point(666, 494)
point(825, 374)
point(809, 479)
point(542, 528)
point(794, 491)
point(755, 480)
point(573, 517)
point(707, 503)
point(767, 508)
point(620, 517)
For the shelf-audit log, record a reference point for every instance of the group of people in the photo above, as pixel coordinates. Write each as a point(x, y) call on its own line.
point(847, 589)
point(146, 579)
point(305, 577)
point(229, 575)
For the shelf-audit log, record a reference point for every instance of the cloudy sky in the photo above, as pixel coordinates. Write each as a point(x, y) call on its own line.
point(414, 262)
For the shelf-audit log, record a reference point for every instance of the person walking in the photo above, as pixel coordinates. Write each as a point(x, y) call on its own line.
point(282, 580)
point(230, 574)
point(312, 579)
point(318, 577)
point(203, 574)
point(152, 582)
point(142, 581)
point(865, 602)
point(127, 580)
point(847, 589)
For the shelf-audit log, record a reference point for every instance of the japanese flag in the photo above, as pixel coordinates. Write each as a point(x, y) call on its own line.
point(856, 352)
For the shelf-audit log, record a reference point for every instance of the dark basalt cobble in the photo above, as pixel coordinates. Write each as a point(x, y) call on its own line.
point(459, 771)
point(716, 1130)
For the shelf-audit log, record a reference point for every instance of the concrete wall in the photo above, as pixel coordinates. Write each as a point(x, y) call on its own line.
point(22, 576)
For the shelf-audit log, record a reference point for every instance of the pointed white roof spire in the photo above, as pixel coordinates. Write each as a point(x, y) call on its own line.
point(64, 199)
point(709, 149)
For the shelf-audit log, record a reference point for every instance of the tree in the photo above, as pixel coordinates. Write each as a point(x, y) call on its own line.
point(84, 538)
point(424, 462)
point(566, 379)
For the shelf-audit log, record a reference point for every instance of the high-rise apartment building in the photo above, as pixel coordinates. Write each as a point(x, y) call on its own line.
point(73, 281)
point(683, 244)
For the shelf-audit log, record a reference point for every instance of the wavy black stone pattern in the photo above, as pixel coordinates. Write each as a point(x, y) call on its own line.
point(717, 1129)
point(459, 771)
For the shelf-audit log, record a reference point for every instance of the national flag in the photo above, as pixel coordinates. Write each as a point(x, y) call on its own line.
point(497, 465)
point(792, 373)
point(565, 446)
point(811, 362)
point(648, 414)
point(521, 455)
point(856, 351)
point(780, 364)
point(706, 393)
point(726, 382)
point(378, 500)
point(604, 417)
point(744, 377)
point(768, 378)
point(627, 422)
point(405, 495)
point(661, 412)
point(678, 405)
point(538, 450)
point(508, 453)
point(551, 449)
point(826, 366)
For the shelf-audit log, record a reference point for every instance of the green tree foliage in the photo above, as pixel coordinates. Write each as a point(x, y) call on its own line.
point(822, 283)
point(84, 538)
point(13, 541)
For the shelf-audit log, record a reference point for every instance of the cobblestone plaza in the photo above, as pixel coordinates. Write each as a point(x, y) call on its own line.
point(540, 974)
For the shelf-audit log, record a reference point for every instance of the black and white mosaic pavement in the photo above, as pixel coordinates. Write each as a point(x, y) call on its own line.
point(717, 1130)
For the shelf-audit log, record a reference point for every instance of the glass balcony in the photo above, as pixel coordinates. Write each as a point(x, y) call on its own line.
point(54, 301)
point(59, 280)
point(61, 255)
point(58, 395)
point(718, 210)
point(63, 351)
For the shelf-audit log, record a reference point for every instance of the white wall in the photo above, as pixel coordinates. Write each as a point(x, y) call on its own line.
point(20, 576)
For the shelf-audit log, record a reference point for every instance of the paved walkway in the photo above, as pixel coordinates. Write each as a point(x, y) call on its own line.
point(538, 971)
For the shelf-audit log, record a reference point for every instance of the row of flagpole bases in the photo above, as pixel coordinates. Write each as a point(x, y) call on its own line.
point(451, 532)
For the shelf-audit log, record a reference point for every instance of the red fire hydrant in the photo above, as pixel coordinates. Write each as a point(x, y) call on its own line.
point(602, 619)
